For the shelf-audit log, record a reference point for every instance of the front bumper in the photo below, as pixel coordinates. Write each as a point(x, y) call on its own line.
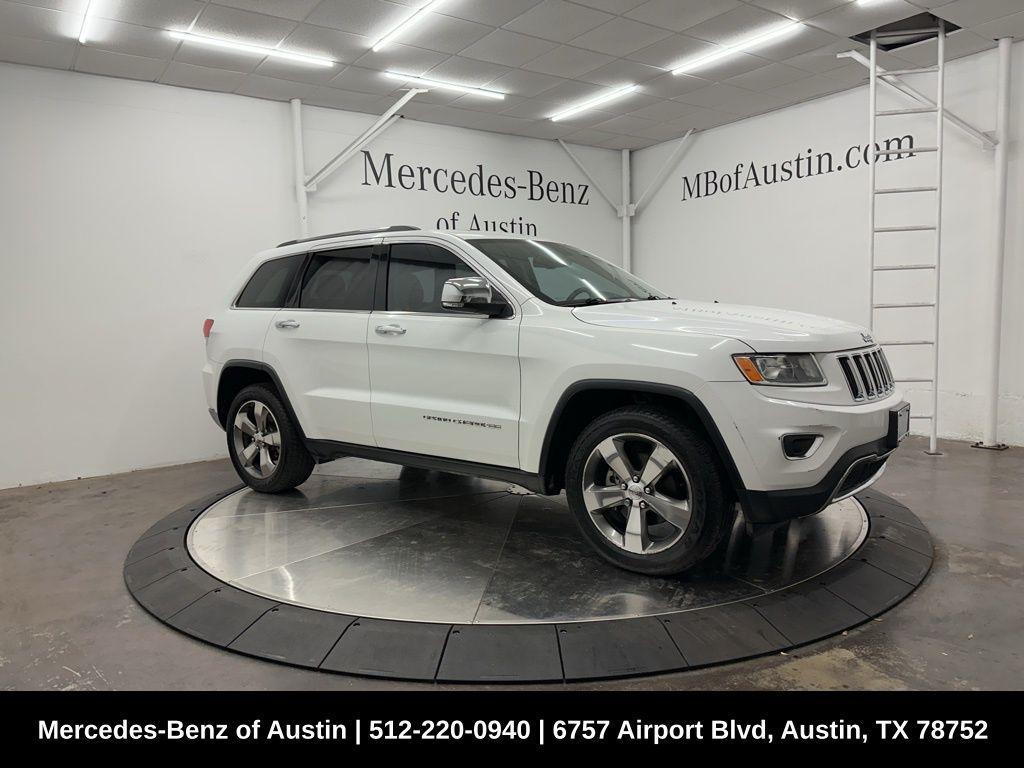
point(855, 470)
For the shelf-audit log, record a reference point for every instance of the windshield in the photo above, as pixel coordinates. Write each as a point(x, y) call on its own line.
point(563, 275)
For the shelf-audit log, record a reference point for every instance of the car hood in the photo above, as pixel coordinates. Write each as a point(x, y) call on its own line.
point(761, 328)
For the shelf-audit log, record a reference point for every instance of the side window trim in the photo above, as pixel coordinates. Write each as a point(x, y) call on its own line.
point(295, 275)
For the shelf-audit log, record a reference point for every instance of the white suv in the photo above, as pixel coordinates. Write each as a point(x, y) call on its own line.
point(536, 363)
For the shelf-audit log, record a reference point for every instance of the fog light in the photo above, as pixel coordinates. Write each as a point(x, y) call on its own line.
point(800, 446)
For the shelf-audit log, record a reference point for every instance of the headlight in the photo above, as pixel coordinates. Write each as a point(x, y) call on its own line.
point(780, 370)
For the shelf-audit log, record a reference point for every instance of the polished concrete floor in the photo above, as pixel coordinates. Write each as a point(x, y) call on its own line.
point(386, 542)
point(67, 622)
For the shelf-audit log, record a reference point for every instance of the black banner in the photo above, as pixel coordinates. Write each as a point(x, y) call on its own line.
point(502, 722)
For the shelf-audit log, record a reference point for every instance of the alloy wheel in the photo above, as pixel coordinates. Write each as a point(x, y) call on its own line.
point(637, 493)
point(257, 439)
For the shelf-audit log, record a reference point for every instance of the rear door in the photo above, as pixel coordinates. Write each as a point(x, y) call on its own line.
point(318, 345)
point(443, 383)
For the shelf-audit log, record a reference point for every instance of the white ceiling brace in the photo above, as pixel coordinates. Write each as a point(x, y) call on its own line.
point(897, 84)
point(666, 169)
point(590, 178)
point(304, 185)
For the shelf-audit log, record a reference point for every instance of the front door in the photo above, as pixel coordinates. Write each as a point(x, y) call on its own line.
point(442, 383)
point(318, 348)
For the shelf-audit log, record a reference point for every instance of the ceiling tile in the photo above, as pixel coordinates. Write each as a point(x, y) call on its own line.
point(572, 91)
point(586, 119)
point(960, 43)
point(501, 123)
point(458, 69)
point(588, 136)
point(971, 13)
point(300, 73)
point(118, 64)
point(233, 24)
point(463, 118)
point(365, 81)
point(444, 33)
point(509, 48)
point(621, 72)
point(402, 58)
point(217, 58)
point(1006, 26)
point(627, 142)
point(669, 86)
point(71, 6)
point(736, 25)
point(37, 53)
point(119, 37)
point(624, 124)
point(567, 61)
point(660, 132)
point(159, 14)
point(824, 58)
point(38, 23)
point(750, 103)
point(523, 83)
point(505, 106)
point(678, 15)
point(296, 10)
point(361, 17)
point(798, 9)
point(854, 18)
point(273, 88)
point(334, 44)
point(334, 98)
point(672, 50)
point(808, 88)
point(849, 75)
point(491, 12)
point(803, 39)
point(545, 129)
point(730, 66)
point(767, 77)
point(664, 109)
point(700, 119)
point(533, 109)
point(712, 96)
point(204, 78)
point(558, 20)
point(620, 37)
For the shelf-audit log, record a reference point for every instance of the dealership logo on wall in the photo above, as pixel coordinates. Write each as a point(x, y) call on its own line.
point(804, 166)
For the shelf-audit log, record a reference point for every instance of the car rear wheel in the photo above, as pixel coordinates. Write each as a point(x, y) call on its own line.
point(646, 491)
point(264, 445)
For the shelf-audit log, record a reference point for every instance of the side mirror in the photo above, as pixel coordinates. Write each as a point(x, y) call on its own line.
point(473, 295)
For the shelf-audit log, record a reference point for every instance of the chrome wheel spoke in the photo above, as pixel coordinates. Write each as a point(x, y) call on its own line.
point(674, 511)
point(249, 453)
point(245, 424)
point(266, 465)
point(600, 497)
point(658, 463)
point(611, 452)
point(636, 538)
point(273, 439)
point(259, 411)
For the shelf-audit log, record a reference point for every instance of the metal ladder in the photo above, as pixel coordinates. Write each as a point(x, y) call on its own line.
point(874, 231)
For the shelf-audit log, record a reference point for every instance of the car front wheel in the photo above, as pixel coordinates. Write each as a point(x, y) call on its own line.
point(646, 491)
point(264, 445)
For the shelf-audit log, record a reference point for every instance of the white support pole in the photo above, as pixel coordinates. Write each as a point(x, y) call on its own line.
point(585, 172)
point(378, 127)
point(626, 213)
point(298, 158)
point(990, 434)
point(940, 124)
point(872, 146)
point(666, 169)
point(896, 84)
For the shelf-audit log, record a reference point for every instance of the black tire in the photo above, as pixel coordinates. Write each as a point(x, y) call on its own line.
point(294, 463)
point(711, 510)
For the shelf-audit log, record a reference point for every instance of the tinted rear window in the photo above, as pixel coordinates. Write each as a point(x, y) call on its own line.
point(268, 287)
point(341, 279)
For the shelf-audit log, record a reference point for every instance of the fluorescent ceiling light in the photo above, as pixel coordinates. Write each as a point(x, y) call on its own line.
point(427, 83)
point(417, 16)
point(234, 45)
point(729, 50)
point(584, 106)
point(85, 22)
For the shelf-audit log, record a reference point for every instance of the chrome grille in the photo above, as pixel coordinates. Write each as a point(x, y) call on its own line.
point(867, 374)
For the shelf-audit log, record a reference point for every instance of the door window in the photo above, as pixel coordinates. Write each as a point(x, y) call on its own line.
point(340, 279)
point(417, 274)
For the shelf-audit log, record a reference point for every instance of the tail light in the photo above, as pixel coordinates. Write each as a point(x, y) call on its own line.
point(207, 327)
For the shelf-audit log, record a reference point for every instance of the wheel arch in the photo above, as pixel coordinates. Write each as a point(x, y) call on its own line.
point(235, 375)
point(585, 400)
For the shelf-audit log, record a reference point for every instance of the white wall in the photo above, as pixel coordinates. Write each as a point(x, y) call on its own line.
point(803, 244)
point(126, 207)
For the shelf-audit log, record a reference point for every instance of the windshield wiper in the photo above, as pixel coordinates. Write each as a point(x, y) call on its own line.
point(594, 300)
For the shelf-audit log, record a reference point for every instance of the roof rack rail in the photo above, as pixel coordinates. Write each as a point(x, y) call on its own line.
point(394, 228)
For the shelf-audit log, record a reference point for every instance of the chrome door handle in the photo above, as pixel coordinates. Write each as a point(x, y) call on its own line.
point(390, 330)
point(287, 323)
